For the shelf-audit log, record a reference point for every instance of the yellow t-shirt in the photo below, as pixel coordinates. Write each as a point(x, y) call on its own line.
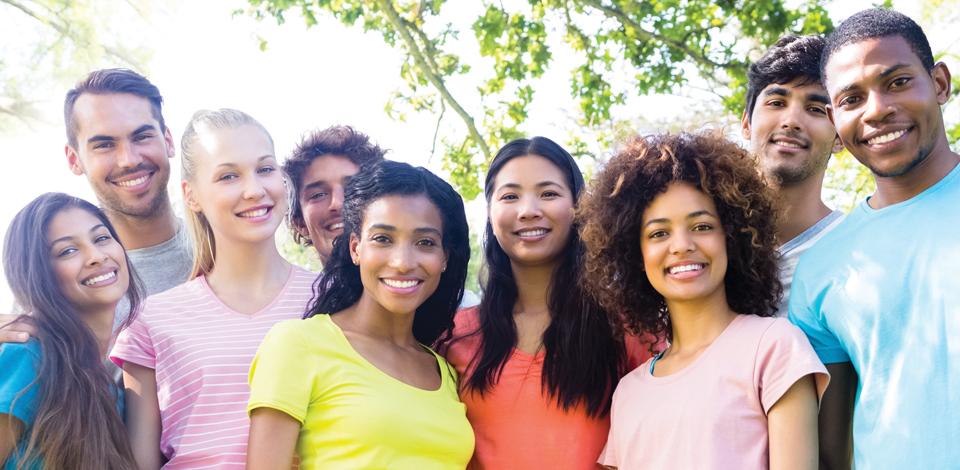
point(352, 414)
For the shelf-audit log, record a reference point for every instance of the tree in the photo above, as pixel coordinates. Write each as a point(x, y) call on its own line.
point(623, 48)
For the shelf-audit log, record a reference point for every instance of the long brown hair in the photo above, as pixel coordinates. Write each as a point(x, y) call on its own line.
point(77, 425)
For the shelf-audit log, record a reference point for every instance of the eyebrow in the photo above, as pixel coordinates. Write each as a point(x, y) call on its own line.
point(777, 90)
point(230, 165)
point(539, 185)
point(391, 228)
point(691, 215)
point(70, 237)
point(107, 138)
point(782, 91)
point(884, 74)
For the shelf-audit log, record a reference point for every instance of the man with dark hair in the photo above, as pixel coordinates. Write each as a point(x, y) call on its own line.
point(117, 137)
point(879, 296)
point(791, 135)
point(318, 168)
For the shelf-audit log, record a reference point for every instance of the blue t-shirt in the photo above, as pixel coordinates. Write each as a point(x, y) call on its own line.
point(19, 392)
point(20, 364)
point(882, 291)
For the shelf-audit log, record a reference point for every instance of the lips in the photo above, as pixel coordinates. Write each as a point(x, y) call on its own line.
point(133, 178)
point(532, 233)
point(404, 285)
point(789, 142)
point(100, 279)
point(334, 226)
point(885, 136)
point(255, 212)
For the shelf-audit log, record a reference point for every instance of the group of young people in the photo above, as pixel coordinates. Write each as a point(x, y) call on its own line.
point(638, 321)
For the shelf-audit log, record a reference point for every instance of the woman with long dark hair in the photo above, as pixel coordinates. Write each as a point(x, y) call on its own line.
point(538, 357)
point(354, 384)
point(680, 241)
point(59, 407)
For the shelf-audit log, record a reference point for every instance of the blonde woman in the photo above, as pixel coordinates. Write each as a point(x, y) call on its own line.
point(186, 357)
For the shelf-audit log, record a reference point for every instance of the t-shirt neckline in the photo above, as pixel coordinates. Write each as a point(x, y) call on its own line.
point(280, 295)
point(696, 362)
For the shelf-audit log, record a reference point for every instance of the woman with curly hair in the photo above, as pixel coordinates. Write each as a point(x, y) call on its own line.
point(538, 357)
point(680, 240)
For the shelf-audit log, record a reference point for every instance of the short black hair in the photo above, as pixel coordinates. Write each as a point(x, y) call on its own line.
point(878, 23)
point(791, 58)
point(108, 81)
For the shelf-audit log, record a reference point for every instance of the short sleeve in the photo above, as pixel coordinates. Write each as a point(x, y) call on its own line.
point(281, 377)
point(20, 364)
point(805, 312)
point(784, 356)
point(135, 344)
point(609, 457)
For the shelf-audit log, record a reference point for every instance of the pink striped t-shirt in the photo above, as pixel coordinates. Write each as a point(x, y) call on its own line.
point(201, 351)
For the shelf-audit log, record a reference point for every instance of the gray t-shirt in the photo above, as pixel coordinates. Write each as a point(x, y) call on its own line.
point(790, 253)
point(160, 267)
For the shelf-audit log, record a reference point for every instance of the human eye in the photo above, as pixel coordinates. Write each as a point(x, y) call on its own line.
point(142, 136)
point(102, 238)
point(702, 227)
point(103, 145)
point(66, 251)
point(427, 242)
point(550, 194)
point(380, 238)
point(776, 103)
point(849, 100)
point(900, 82)
point(655, 234)
point(317, 195)
point(264, 170)
point(818, 109)
point(509, 197)
point(227, 177)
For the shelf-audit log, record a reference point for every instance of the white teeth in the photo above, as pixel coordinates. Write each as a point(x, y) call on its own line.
point(787, 144)
point(133, 182)
point(684, 268)
point(254, 213)
point(401, 284)
point(532, 233)
point(336, 226)
point(100, 278)
point(882, 139)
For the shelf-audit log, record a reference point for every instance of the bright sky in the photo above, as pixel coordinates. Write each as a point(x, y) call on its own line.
point(203, 57)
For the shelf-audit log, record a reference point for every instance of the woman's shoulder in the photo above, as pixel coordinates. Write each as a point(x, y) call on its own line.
point(19, 353)
point(466, 321)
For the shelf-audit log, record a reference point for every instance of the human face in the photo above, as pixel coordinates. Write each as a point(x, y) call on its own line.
point(400, 252)
point(123, 152)
point(89, 264)
point(683, 245)
point(321, 199)
point(531, 210)
point(238, 185)
point(790, 132)
point(885, 104)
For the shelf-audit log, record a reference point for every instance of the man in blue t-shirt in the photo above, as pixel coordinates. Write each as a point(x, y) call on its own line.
point(879, 296)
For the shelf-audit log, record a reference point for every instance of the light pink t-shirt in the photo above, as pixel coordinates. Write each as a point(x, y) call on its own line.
point(713, 413)
point(201, 351)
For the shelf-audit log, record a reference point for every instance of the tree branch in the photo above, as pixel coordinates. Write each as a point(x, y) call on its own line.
point(433, 76)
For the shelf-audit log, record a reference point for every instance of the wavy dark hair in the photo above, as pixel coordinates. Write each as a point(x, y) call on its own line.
point(112, 81)
point(611, 217)
point(340, 141)
point(339, 286)
point(77, 425)
point(583, 356)
point(791, 58)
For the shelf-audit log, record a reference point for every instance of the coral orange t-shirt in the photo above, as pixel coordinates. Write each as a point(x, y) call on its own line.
point(517, 425)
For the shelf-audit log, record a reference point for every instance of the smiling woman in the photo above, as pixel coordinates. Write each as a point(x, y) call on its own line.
point(355, 385)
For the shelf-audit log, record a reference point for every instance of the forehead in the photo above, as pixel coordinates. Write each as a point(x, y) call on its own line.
point(111, 114)
point(71, 222)
point(242, 144)
point(860, 62)
point(406, 213)
point(329, 169)
point(677, 201)
point(529, 170)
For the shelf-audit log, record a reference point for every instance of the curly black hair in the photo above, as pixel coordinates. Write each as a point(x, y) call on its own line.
point(610, 223)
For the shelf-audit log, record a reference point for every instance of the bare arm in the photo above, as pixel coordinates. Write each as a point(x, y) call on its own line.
point(143, 415)
point(836, 418)
point(273, 440)
point(9, 435)
point(792, 427)
point(13, 331)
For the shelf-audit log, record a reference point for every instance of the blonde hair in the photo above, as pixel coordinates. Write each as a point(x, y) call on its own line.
point(203, 122)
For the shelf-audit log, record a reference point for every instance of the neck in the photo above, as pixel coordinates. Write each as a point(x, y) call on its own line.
point(248, 264)
point(101, 324)
point(695, 324)
point(142, 232)
point(533, 285)
point(896, 189)
point(369, 318)
point(802, 207)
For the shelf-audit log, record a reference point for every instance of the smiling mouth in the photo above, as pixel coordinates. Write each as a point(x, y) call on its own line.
point(532, 233)
point(254, 213)
point(888, 137)
point(335, 226)
point(401, 284)
point(684, 268)
point(93, 281)
point(133, 182)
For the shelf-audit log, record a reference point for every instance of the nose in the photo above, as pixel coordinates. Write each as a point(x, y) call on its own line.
point(529, 209)
point(336, 199)
point(127, 157)
point(402, 258)
point(877, 108)
point(95, 256)
point(681, 242)
point(791, 118)
point(253, 189)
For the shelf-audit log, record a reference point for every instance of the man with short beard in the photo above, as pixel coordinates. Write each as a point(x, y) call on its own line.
point(792, 137)
point(879, 296)
point(117, 137)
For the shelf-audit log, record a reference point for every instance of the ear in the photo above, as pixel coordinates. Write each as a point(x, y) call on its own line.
point(73, 160)
point(189, 196)
point(941, 82)
point(355, 249)
point(168, 138)
point(745, 126)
